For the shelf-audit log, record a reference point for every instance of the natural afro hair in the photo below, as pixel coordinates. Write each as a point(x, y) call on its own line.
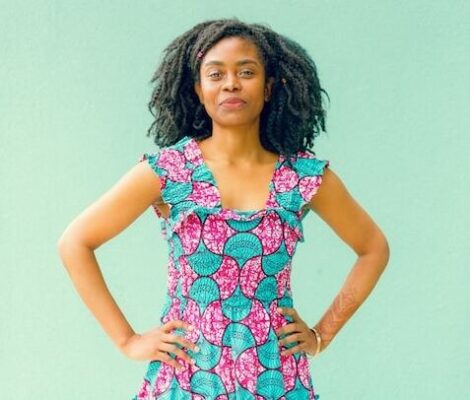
point(289, 122)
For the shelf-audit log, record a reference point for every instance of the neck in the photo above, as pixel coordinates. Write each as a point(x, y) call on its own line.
point(235, 144)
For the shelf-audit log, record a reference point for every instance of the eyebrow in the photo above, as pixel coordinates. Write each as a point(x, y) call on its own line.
point(241, 62)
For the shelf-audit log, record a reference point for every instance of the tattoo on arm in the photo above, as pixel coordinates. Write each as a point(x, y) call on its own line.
point(342, 308)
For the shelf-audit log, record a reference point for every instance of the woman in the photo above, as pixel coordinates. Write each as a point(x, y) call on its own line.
point(237, 107)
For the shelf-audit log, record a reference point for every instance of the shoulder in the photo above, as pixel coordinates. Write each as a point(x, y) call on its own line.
point(309, 171)
point(169, 158)
point(335, 205)
point(173, 149)
point(331, 184)
point(332, 194)
point(308, 164)
point(172, 166)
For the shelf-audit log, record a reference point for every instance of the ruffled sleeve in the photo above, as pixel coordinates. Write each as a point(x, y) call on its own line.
point(170, 164)
point(310, 171)
point(154, 161)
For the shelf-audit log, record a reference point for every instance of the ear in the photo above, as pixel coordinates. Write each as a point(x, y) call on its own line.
point(268, 88)
point(197, 89)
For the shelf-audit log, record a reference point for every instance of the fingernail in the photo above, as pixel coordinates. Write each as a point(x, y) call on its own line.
point(196, 349)
point(190, 327)
point(193, 361)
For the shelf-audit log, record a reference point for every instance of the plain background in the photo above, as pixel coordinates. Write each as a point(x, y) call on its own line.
point(74, 82)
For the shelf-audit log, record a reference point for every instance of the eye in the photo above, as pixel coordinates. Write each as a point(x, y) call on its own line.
point(214, 75)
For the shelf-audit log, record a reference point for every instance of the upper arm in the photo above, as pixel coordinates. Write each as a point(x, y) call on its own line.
point(335, 205)
point(117, 208)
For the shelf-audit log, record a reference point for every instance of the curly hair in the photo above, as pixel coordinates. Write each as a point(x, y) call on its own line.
point(289, 122)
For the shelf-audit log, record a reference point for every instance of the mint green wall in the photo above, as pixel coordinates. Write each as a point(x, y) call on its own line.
point(73, 100)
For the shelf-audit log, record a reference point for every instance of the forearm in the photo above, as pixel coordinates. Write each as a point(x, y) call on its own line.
point(85, 273)
point(359, 283)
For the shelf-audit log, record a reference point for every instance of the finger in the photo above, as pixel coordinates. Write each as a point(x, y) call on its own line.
point(166, 358)
point(186, 343)
point(172, 338)
point(288, 311)
point(172, 348)
point(175, 324)
point(290, 315)
point(289, 328)
point(283, 329)
point(295, 337)
point(292, 350)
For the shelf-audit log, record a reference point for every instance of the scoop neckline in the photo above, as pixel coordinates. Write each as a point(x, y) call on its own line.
point(237, 211)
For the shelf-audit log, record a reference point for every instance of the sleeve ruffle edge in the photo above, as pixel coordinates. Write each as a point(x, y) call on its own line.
point(152, 159)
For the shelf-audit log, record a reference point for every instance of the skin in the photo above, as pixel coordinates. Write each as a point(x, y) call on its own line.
point(335, 205)
point(234, 154)
point(242, 169)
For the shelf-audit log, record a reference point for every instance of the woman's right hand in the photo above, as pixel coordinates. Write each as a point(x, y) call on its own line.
point(158, 342)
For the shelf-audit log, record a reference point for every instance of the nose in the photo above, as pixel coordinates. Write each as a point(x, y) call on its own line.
point(232, 82)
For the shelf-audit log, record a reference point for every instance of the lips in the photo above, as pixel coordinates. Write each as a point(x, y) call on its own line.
point(233, 100)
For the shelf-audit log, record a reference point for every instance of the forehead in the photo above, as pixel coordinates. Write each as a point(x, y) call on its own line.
point(232, 50)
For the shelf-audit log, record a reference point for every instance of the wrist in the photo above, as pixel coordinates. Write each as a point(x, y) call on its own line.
point(123, 341)
point(318, 341)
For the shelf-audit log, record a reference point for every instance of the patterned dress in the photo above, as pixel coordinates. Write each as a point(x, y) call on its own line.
point(228, 271)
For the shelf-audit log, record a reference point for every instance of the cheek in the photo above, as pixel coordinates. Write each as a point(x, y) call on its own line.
point(209, 94)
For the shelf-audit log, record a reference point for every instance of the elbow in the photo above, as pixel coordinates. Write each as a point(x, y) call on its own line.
point(67, 245)
point(62, 241)
point(63, 244)
point(386, 252)
point(378, 249)
point(382, 250)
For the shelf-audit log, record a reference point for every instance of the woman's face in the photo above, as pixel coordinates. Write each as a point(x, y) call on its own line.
point(232, 68)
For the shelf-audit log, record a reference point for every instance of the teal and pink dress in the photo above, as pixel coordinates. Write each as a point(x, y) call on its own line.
point(228, 271)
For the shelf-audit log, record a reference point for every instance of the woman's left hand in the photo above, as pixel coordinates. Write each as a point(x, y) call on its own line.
point(297, 331)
